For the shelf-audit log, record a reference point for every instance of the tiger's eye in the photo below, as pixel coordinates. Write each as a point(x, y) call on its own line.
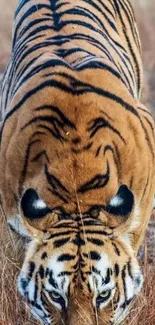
point(55, 295)
point(102, 297)
point(104, 294)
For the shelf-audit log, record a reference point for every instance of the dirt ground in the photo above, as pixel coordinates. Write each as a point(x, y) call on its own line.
point(12, 311)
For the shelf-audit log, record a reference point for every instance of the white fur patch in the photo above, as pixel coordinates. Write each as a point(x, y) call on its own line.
point(103, 264)
point(119, 316)
point(96, 280)
point(116, 201)
point(57, 267)
point(37, 313)
point(130, 287)
point(31, 289)
point(39, 204)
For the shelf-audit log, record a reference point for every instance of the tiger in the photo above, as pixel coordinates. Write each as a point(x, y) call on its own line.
point(77, 157)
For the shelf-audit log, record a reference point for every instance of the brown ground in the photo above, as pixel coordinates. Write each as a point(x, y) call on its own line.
point(12, 310)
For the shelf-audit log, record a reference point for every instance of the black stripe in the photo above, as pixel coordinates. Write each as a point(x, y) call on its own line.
point(60, 242)
point(124, 283)
point(59, 113)
point(54, 181)
point(129, 269)
point(44, 256)
point(151, 124)
point(129, 45)
point(55, 132)
point(98, 151)
point(32, 24)
point(98, 181)
point(144, 110)
point(130, 21)
point(20, 6)
point(116, 269)
point(63, 273)
point(96, 232)
point(85, 12)
point(31, 269)
point(146, 186)
point(62, 233)
point(57, 125)
point(151, 147)
point(28, 13)
point(67, 225)
point(26, 160)
point(21, 73)
point(117, 160)
point(132, 16)
point(100, 123)
point(95, 241)
point(117, 251)
point(36, 287)
point(39, 155)
point(66, 257)
point(92, 255)
point(24, 283)
point(108, 148)
point(78, 241)
point(108, 276)
point(52, 280)
point(59, 195)
point(84, 88)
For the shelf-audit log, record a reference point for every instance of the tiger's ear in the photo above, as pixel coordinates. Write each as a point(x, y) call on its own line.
point(33, 206)
point(122, 203)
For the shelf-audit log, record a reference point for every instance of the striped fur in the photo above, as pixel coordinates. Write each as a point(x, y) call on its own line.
point(77, 157)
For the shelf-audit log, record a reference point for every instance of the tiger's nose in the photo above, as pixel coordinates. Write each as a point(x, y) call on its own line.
point(80, 312)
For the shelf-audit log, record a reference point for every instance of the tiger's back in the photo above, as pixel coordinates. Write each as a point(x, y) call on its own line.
point(62, 39)
point(77, 153)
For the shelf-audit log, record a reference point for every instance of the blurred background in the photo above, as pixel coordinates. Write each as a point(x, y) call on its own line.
point(145, 14)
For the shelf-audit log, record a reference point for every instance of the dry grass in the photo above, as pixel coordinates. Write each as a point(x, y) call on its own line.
point(14, 311)
point(143, 311)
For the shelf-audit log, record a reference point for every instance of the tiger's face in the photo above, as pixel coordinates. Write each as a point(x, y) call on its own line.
point(79, 272)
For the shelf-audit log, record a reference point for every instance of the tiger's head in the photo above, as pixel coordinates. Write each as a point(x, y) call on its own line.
point(79, 271)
